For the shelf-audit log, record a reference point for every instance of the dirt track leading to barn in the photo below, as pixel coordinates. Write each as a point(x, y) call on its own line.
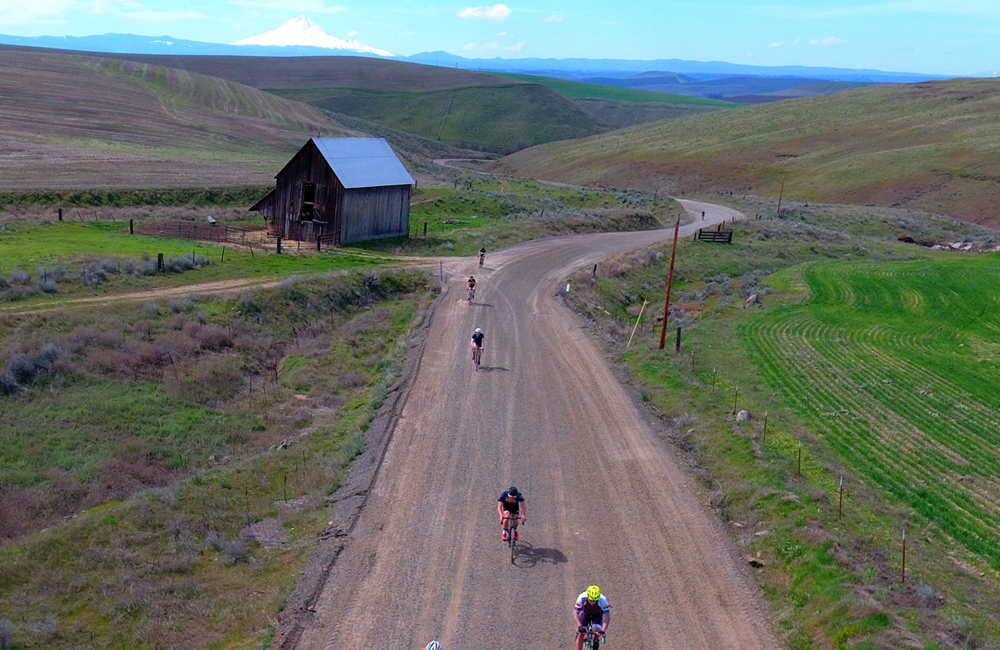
point(607, 501)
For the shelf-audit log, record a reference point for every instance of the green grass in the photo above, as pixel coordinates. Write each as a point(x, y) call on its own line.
point(816, 369)
point(161, 471)
point(580, 89)
point(896, 368)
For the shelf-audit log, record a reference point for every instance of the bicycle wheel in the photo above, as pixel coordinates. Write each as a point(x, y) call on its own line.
point(512, 540)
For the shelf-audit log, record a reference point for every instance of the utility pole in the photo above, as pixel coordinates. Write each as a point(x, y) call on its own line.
point(670, 279)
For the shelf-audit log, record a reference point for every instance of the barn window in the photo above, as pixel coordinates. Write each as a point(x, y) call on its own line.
point(308, 201)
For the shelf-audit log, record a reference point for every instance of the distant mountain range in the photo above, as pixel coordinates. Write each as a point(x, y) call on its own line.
point(301, 37)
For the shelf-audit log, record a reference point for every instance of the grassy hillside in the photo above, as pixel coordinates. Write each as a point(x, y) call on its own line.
point(930, 146)
point(362, 73)
point(493, 118)
point(601, 91)
point(73, 122)
point(620, 113)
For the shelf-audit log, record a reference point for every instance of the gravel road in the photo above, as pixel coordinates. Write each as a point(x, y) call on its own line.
point(608, 503)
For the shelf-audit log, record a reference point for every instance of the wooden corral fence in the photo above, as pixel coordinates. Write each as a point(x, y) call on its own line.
point(724, 236)
point(219, 233)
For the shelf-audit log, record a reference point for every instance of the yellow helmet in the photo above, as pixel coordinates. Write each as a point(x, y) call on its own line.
point(593, 593)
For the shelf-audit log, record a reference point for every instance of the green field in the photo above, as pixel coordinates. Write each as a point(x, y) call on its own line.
point(580, 89)
point(896, 368)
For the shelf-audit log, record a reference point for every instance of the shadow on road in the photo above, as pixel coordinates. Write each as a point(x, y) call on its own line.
point(483, 368)
point(528, 556)
point(480, 304)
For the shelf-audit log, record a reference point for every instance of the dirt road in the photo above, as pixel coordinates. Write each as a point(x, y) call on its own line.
point(607, 502)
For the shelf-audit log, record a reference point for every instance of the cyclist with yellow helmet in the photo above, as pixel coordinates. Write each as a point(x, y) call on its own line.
point(592, 608)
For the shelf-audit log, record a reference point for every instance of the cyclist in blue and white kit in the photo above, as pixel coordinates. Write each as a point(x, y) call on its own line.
point(592, 607)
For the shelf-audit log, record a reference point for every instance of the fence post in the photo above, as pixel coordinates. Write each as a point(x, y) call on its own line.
point(840, 508)
point(60, 214)
point(904, 555)
point(736, 397)
point(425, 229)
point(799, 471)
point(131, 225)
point(159, 262)
point(318, 244)
point(677, 345)
point(764, 439)
point(279, 245)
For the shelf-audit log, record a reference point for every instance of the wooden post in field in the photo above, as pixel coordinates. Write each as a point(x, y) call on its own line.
point(736, 396)
point(279, 245)
point(840, 508)
point(670, 279)
point(799, 472)
point(904, 555)
point(677, 345)
point(780, 194)
point(425, 229)
point(318, 249)
point(159, 262)
point(131, 225)
point(764, 439)
point(713, 378)
point(60, 214)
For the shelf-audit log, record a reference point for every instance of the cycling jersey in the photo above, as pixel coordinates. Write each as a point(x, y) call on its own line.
point(477, 339)
point(514, 507)
point(592, 610)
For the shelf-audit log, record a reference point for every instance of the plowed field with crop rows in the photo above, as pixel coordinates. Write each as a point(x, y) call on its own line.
point(895, 367)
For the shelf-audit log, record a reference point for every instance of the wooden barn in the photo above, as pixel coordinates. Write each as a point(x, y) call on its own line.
point(339, 190)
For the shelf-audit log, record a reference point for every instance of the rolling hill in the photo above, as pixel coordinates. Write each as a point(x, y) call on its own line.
point(458, 107)
point(931, 146)
point(77, 122)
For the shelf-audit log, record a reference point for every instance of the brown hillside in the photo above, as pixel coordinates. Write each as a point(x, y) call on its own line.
point(930, 146)
point(305, 72)
point(76, 122)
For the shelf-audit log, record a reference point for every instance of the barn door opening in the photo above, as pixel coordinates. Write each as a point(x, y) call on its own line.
point(308, 202)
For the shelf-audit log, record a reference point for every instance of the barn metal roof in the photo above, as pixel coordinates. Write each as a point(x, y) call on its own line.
point(363, 162)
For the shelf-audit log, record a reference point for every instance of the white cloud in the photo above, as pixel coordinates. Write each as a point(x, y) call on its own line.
point(293, 6)
point(469, 46)
point(518, 46)
point(829, 41)
point(780, 43)
point(501, 33)
point(555, 19)
point(777, 44)
point(490, 47)
point(496, 12)
point(351, 33)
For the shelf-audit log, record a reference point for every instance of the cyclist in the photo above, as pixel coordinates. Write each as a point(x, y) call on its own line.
point(592, 607)
point(477, 341)
point(482, 256)
point(471, 284)
point(433, 645)
point(511, 502)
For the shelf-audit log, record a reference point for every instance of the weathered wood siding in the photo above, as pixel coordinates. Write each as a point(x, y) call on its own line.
point(340, 216)
point(376, 212)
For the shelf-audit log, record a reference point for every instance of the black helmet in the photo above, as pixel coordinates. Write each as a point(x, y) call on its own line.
point(512, 491)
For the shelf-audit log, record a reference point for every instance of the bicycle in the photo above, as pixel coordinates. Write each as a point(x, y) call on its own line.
point(482, 258)
point(591, 640)
point(477, 355)
point(472, 293)
point(511, 535)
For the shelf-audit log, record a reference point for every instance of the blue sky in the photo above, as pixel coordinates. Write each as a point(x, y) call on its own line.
point(953, 37)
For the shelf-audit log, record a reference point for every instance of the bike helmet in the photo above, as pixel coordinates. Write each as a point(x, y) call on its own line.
point(479, 331)
point(512, 491)
point(433, 645)
point(593, 593)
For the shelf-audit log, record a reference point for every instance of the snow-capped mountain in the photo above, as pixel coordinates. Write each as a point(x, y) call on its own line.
point(305, 33)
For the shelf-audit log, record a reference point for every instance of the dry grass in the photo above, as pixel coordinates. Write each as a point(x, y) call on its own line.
point(930, 146)
point(80, 122)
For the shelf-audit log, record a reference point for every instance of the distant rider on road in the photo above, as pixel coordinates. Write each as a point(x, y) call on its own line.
point(477, 341)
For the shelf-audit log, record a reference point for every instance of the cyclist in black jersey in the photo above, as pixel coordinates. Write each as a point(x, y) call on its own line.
point(511, 503)
point(477, 341)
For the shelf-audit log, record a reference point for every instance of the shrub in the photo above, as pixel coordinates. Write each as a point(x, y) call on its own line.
point(8, 385)
point(178, 264)
point(151, 309)
point(212, 337)
point(109, 266)
point(177, 322)
point(44, 628)
point(48, 285)
point(92, 274)
point(144, 329)
point(20, 277)
point(3, 282)
point(180, 304)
